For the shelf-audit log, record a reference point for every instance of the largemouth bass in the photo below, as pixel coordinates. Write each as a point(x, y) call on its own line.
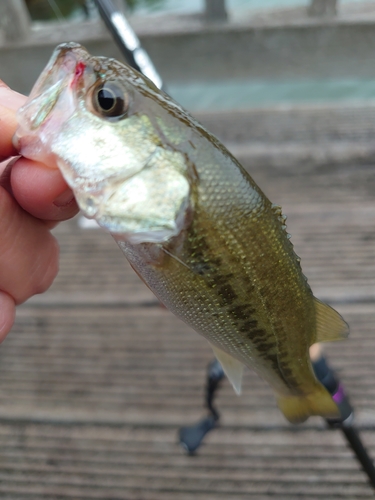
point(191, 221)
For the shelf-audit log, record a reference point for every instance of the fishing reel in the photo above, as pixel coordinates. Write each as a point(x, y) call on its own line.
point(191, 437)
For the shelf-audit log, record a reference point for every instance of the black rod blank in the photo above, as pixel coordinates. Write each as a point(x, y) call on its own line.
point(191, 437)
point(127, 40)
point(360, 451)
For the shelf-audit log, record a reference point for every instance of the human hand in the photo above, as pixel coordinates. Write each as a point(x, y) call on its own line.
point(33, 198)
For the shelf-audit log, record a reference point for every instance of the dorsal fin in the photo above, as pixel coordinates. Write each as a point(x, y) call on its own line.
point(329, 324)
point(277, 210)
point(233, 368)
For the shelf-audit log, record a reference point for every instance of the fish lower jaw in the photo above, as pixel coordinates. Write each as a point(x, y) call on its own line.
point(141, 227)
point(25, 143)
point(29, 147)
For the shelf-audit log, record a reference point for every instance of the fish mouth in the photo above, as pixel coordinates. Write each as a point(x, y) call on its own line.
point(36, 122)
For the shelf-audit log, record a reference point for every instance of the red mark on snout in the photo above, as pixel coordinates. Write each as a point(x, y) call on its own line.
point(80, 68)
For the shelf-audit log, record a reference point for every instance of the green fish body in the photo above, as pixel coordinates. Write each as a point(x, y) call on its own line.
point(191, 221)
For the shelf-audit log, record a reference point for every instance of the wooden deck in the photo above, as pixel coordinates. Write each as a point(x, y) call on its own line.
point(96, 378)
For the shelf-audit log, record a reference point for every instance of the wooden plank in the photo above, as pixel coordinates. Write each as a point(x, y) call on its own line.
point(96, 378)
point(131, 366)
point(92, 462)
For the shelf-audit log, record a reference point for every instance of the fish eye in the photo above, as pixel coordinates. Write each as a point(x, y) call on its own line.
point(110, 100)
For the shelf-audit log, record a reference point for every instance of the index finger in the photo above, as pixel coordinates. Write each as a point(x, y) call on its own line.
point(42, 191)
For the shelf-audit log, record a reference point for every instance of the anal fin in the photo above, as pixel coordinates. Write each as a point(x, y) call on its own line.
point(233, 368)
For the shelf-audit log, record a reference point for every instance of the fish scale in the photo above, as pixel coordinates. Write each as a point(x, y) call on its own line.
point(191, 221)
point(217, 296)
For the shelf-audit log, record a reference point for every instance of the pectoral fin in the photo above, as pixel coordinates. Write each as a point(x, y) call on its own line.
point(233, 368)
point(329, 324)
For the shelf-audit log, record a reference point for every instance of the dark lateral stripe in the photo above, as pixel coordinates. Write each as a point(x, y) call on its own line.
point(249, 327)
point(228, 294)
point(243, 311)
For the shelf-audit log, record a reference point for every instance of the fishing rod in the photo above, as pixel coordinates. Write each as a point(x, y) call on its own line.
point(127, 41)
point(328, 378)
point(191, 437)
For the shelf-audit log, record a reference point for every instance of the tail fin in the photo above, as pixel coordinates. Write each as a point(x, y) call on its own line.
point(297, 409)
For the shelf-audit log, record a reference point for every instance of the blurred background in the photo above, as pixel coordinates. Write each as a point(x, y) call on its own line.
point(247, 53)
point(96, 378)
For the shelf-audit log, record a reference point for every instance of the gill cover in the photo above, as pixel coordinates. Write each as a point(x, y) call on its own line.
point(84, 113)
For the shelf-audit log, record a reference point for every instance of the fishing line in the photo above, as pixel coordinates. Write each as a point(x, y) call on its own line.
point(175, 257)
point(56, 9)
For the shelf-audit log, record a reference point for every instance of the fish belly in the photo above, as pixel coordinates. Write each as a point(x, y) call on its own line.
point(233, 276)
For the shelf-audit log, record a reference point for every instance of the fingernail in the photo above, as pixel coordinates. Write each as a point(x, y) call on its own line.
point(5, 172)
point(64, 199)
point(9, 98)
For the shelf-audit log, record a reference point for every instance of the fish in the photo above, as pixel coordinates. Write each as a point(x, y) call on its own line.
point(189, 218)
